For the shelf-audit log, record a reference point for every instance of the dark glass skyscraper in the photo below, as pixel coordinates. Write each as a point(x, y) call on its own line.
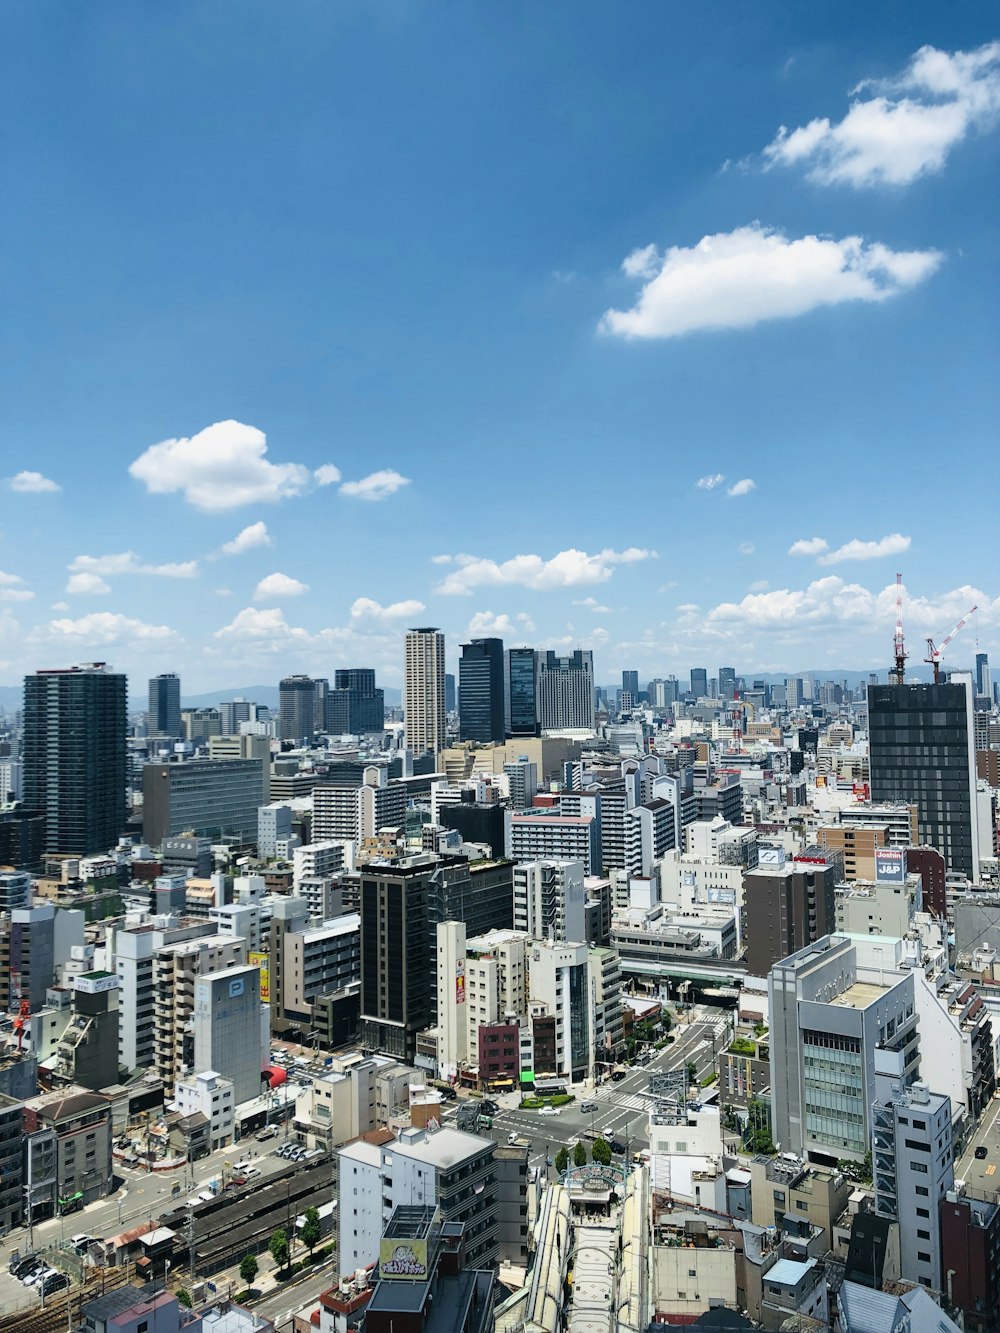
point(165, 706)
point(630, 684)
point(522, 692)
point(355, 705)
point(301, 707)
point(921, 751)
point(727, 683)
point(480, 691)
point(74, 756)
point(699, 682)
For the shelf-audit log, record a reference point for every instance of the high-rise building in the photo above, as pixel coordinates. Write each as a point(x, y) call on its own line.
point(164, 717)
point(355, 702)
point(74, 756)
point(450, 693)
point(480, 691)
point(232, 713)
point(727, 682)
point(566, 691)
point(984, 687)
point(630, 684)
point(424, 691)
point(215, 798)
point(789, 904)
point(301, 707)
point(521, 681)
point(699, 682)
point(548, 900)
point(922, 751)
point(227, 1028)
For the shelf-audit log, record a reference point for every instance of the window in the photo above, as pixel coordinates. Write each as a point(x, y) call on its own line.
point(924, 1235)
point(922, 1189)
point(924, 1258)
point(692, 1272)
point(143, 1326)
point(919, 1166)
point(923, 1212)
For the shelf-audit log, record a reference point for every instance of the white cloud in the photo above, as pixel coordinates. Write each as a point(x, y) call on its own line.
point(221, 467)
point(223, 592)
point(906, 129)
point(709, 483)
point(894, 544)
point(16, 595)
point(326, 474)
point(742, 487)
point(735, 280)
point(567, 569)
point(10, 580)
point(441, 559)
point(32, 483)
point(761, 585)
point(251, 537)
point(376, 486)
point(366, 608)
point(809, 546)
point(104, 627)
point(274, 586)
point(254, 623)
point(747, 548)
point(486, 624)
point(127, 562)
point(592, 604)
point(87, 585)
point(60, 606)
point(828, 600)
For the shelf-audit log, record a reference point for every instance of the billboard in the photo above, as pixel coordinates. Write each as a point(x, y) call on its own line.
point(890, 866)
point(260, 960)
point(726, 896)
point(460, 983)
point(405, 1259)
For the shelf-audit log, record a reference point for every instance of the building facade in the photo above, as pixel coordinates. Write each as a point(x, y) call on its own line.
point(424, 691)
point(480, 692)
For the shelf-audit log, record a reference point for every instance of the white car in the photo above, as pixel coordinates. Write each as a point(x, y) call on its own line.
point(549, 1110)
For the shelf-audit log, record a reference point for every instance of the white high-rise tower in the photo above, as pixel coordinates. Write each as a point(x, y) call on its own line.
point(423, 696)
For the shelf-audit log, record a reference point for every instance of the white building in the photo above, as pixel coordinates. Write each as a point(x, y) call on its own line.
point(424, 691)
point(10, 781)
point(238, 921)
point(559, 983)
point(553, 837)
point(452, 995)
point(273, 822)
point(316, 860)
point(227, 1028)
point(211, 1095)
point(549, 900)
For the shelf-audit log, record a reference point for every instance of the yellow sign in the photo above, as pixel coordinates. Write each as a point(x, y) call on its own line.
point(403, 1258)
point(261, 961)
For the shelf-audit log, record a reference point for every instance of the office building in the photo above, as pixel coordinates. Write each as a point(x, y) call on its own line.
point(561, 1020)
point(80, 1122)
point(210, 1095)
point(835, 1008)
point(22, 838)
point(27, 956)
point(970, 1244)
point(164, 716)
point(274, 825)
point(554, 837)
point(789, 904)
point(521, 671)
point(424, 691)
point(699, 682)
point(630, 685)
point(549, 900)
point(227, 1028)
point(233, 713)
point(213, 798)
point(480, 692)
point(522, 775)
point(450, 693)
point(301, 708)
point(351, 812)
point(566, 691)
point(10, 781)
point(15, 889)
point(446, 1169)
point(922, 751)
point(74, 756)
point(245, 745)
point(356, 691)
point(727, 682)
point(200, 723)
point(984, 683)
point(317, 961)
point(912, 1167)
point(88, 1048)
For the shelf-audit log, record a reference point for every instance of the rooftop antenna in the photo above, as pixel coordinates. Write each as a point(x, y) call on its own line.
point(898, 644)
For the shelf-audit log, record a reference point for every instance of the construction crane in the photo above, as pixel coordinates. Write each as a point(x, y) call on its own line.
point(898, 646)
point(933, 657)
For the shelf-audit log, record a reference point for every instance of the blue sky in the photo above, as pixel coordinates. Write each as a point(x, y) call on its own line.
point(515, 318)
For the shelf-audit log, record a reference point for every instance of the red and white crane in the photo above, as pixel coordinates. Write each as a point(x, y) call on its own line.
point(933, 657)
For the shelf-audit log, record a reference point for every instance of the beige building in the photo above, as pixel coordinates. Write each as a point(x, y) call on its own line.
point(876, 909)
point(858, 844)
point(423, 691)
point(784, 1186)
point(244, 747)
point(693, 1264)
point(547, 753)
point(175, 967)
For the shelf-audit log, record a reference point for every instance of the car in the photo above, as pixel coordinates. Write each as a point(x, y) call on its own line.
point(449, 1094)
point(269, 1132)
point(53, 1282)
point(982, 1152)
point(252, 1171)
point(616, 1146)
point(548, 1110)
point(27, 1262)
point(37, 1276)
point(284, 1150)
point(617, 1075)
point(588, 1107)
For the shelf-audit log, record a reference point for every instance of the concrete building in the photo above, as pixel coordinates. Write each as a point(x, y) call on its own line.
point(912, 1153)
point(788, 906)
point(833, 1006)
point(877, 908)
point(13, 1197)
point(317, 860)
point(319, 960)
point(210, 1095)
point(27, 955)
point(228, 1028)
point(301, 707)
point(970, 1244)
point(562, 1024)
point(554, 837)
point(81, 1124)
point(522, 776)
point(786, 1187)
point(424, 691)
point(175, 968)
point(164, 716)
point(447, 1169)
point(549, 900)
point(215, 798)
point(88, 1047)
point(454, 1018)
point(245, 745)
point(352, 812)
point(274, 822)
point(481, 692)
point(566, 691)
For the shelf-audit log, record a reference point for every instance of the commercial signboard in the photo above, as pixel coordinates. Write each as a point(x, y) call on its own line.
point(890, 865)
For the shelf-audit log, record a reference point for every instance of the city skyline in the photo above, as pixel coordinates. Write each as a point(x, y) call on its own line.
point(735, 276)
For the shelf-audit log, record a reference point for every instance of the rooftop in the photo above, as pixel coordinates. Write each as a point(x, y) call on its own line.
point(860, 995)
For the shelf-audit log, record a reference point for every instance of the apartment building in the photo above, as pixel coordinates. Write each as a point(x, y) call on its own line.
point(175, 969)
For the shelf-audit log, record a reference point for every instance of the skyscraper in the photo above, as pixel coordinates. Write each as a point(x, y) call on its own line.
point(165, 705)
point(74, 756)
point(630, 684)
point(356, 702)
point(984, 687)
point(522, 692)
point(301, 707)
point(480, 691)
point(922, 752)
point(566, 691)
point(727, 682)
point(424, 690)
point(699, 682)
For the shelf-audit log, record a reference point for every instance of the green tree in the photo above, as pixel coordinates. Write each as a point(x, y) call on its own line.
point(562, 1159)
point(601, 1153)
point(279, 1247)
point(311, 1229)
point(183, 1297)
point(579, 1154)
point(248, 1269)
point(757, 1136)
point(692, 1072)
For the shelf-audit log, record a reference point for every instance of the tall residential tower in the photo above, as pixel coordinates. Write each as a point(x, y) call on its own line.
point(423, 691)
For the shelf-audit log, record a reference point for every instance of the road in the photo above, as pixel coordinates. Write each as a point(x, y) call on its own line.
point(623, 1107)
point(980, 1175)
